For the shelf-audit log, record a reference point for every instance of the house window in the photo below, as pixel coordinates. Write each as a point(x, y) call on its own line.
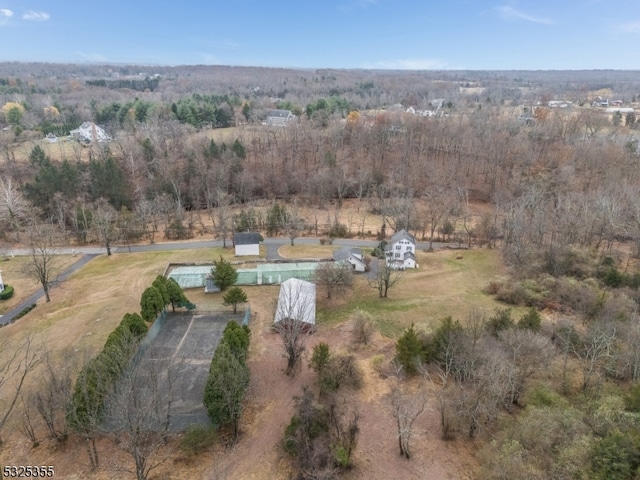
point(397, 255)
point(398, 247)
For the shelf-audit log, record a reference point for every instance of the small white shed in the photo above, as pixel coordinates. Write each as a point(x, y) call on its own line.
point(246, 243)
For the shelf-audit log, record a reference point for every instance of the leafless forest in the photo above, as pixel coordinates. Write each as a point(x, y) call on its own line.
point(553, 158)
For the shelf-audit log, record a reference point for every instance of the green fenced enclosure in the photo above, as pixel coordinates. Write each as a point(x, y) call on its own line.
point(195, 276)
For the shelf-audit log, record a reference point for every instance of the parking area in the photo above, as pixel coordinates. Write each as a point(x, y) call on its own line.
point(186, 342)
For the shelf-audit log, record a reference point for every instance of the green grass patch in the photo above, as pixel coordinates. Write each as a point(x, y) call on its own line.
point(442, 286)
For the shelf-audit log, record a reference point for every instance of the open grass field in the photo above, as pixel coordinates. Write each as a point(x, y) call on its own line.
point(442, 286)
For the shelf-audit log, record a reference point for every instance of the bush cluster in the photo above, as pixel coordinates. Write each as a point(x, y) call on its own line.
point(334, 370)
point(7, 293)
point(321, 436)
point(24, 311)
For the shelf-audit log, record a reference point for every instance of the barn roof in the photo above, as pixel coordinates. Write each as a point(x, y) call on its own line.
point(246, 238)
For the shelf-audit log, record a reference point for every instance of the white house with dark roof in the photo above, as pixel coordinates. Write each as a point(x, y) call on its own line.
point(247, 243)
point(279, 118)
point(352, 256)
point(400, 251)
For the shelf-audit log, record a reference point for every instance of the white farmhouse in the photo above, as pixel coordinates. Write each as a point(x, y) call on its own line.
point(400, 251)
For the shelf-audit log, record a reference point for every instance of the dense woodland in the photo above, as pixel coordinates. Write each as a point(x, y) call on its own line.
point(563, 191)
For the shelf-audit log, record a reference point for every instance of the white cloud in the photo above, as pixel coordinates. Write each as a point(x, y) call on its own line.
point(36, 16)
point(631, 27)
point(509, 13)
point(5, 15)
point(409, 64)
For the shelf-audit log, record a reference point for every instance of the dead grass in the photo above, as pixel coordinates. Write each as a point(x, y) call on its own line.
point(13, 274)
point(307, 251)
point(442, 286)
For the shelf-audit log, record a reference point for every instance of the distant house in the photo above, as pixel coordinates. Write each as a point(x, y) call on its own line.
point(400, 251)
point(89, 132)
point(352, 256)
point(247, 243)
point(437, 103)
point(279, 118)
point(296, 301)
point(51, 138)
point(527, 118)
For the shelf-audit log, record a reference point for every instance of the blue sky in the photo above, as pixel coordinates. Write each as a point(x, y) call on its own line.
point(388, 34)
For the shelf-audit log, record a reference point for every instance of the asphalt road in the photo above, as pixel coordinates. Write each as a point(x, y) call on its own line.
point(272, 245)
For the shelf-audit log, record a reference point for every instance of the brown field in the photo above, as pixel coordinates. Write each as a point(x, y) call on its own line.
point(12, 269)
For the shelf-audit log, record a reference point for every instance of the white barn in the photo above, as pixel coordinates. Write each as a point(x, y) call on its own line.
point(296, 301)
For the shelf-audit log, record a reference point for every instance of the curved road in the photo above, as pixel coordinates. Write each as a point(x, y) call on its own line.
point(272, 246)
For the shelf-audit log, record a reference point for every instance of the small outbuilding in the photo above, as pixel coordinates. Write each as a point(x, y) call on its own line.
point(247, 243)
point(352, 256)
point(296, 301)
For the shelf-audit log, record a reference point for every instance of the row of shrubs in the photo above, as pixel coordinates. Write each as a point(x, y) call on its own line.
point(98, 378)
point(228, 378)
point(7, 293)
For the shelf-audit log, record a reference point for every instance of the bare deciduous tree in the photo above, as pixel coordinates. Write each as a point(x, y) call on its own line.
point(53, 396)
point(406, 409)
point(295, 306)
point(17, 361)
point(596, 350)
point(223, 202)
point(13, 207)
point(43, 260)
point(384, 278)
point(104, 222)
point(336, 277)
point(139, 413)
point(292, 222)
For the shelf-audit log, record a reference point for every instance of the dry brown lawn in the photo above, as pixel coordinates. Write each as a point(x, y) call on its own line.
point(12, 269)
